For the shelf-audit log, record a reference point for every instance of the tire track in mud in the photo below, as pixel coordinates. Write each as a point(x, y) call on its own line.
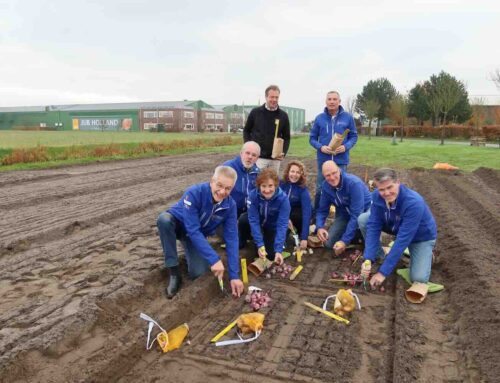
point(469, 311)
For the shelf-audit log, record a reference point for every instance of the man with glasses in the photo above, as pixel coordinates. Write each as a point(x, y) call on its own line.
point(350, 196)
point(202, 209)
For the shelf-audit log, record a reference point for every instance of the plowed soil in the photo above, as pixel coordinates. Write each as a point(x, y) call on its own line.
point(80, 258)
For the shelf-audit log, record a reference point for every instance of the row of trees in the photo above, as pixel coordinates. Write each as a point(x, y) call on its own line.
point(442, 99)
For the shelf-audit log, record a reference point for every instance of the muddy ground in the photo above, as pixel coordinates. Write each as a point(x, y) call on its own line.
point(80, 259)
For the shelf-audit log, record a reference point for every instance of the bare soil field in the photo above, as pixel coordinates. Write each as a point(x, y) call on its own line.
point(80, 258)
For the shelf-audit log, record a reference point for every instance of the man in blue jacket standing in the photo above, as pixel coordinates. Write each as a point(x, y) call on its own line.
point(202, 208)
point(247, 172)
point(334, 119)
point(400, 211)
point(350, 196)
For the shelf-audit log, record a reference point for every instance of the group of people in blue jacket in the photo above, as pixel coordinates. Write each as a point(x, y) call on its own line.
point(243, 203)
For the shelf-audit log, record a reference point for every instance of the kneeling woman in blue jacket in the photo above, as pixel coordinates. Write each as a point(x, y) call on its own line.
point(294, 186)
point(268, 214)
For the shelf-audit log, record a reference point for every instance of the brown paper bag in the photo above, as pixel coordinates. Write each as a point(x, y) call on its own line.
point(417, 292)
point(258, 266)
point(277, 147)
point(338, 139)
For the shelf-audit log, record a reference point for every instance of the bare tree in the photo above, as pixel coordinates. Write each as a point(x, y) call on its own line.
point(371, 108)
point(350, 105)
point(495, 77)
point(449, 92)
point(399, 112)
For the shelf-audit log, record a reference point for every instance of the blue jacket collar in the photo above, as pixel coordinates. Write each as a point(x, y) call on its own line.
point(341, 110)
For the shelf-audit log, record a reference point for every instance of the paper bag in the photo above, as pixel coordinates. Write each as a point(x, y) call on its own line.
point(338, 139)
point(277, 147)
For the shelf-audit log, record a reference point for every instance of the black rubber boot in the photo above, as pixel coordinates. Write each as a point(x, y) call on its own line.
point(174, 282)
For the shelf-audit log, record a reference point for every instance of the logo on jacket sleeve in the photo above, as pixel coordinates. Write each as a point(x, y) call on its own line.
point(187, 203)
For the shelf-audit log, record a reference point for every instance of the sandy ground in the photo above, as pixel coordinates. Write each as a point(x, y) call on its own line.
point(80, 259)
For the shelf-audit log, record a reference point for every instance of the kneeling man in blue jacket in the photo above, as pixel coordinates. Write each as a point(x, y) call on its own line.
point(401, 211)
point(202, 208)
point(350, 196)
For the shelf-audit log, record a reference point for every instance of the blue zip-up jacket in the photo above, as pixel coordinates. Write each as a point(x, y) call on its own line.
point(272, 214)
point(409, 218)
point(245, 182)
point(322, 132)
point(299, 197)
point(200, 216)
point(350, 198)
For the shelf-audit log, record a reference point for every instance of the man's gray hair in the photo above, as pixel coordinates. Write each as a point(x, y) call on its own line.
point(333, 91)
point(385, 174)
point(225, 171)
point(248, 143)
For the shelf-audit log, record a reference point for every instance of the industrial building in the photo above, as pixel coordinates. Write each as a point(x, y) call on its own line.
point(168, 116)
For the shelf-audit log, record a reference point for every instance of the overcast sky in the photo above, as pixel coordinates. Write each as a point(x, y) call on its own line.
point(223, 52)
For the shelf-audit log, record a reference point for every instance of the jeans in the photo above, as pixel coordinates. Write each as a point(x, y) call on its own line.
point(319, 182)
point(336, 231)
point(170, 229)
point(245, 233)
point(420, 254)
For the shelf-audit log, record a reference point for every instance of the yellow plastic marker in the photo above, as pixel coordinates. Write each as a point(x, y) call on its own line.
point(299, 255)
point(224, 332)
point(296, 272)
point(244, 273)
point(327, 313)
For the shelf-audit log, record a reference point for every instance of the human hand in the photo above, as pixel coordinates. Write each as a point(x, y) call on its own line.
point(218, 269)
point(303, 244)
point(262, 252)
point(340, 149)
point(280, 157)
point(326, 149)
point(278, 258)
point(339, 247)
point(377, 280)
point(237, 287)
point(322, 235)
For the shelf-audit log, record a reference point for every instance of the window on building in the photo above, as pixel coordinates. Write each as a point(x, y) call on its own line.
point(189, 126)
point(149, 126)
point(150, 114)
point(209, 127)
point(166, 114)
point(43, 125)
point(189, 115)
point(209, 116)
point(169, 127)
point(219, 116)
point(218, 128)
point(236, 116)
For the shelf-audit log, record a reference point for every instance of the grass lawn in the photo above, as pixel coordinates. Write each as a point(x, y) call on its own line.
point(379, 152)
point(375, 152)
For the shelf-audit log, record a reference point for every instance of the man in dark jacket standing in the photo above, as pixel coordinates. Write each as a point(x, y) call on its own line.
point(264, 124)
point(334, 119)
